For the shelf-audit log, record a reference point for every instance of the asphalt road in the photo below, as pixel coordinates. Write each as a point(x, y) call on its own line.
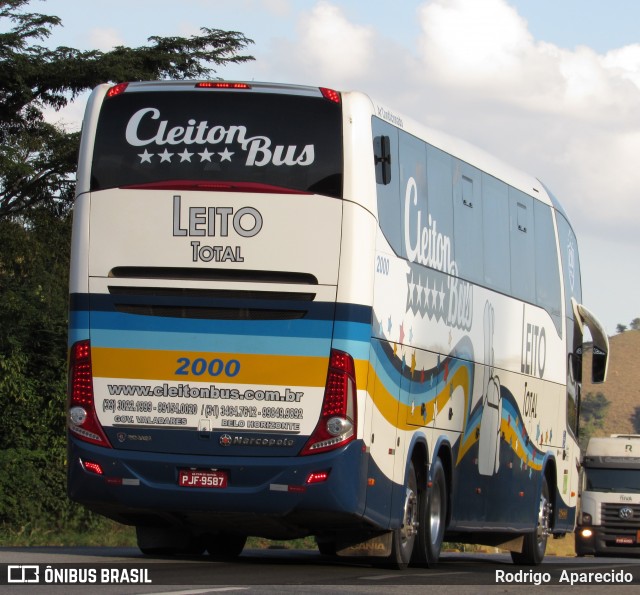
point(300, 572)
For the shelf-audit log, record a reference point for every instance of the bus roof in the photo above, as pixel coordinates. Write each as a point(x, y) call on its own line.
point(471, 154)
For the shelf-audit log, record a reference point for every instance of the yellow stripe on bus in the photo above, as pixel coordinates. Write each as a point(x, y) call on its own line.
point(406, 417)
point(184, 366)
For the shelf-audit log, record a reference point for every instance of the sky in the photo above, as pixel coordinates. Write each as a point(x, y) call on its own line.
point(550, 86)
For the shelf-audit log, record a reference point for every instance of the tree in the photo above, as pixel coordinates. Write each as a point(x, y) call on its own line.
point(621, 328)
point(635, 324)
point(37, 159)
point(37, 162)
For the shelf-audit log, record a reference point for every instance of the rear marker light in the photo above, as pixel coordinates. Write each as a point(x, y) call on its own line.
point(117, 89)
point(330, 94)
point(92, 467)
point(317, 477)
point(221, 85)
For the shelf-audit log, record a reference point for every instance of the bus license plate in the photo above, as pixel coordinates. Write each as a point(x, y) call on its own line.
point(189, 478)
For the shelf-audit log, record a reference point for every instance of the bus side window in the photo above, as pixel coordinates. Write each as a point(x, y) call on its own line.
point(382, 156)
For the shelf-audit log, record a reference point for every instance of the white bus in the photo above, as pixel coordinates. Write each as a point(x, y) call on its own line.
point(296, 312)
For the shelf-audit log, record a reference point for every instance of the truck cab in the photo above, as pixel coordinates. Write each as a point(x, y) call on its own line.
point(609, 518)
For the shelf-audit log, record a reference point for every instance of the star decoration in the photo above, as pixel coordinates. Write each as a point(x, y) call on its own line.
point(145, 157)
point(185, 156)
point(165, 156)
point(205, 156)
point(225, 155)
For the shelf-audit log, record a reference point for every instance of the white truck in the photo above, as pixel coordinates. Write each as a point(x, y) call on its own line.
point(609, 516)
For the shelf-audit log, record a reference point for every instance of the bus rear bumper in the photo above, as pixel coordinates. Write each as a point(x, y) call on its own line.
point(265, 496)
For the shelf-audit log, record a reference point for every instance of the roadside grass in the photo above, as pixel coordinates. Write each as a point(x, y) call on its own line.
point(107, 534)
point(112, 534)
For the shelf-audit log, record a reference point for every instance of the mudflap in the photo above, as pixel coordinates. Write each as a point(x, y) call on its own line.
point(365, 545)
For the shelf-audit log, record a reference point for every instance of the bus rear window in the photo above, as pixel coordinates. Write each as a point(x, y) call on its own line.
point(155, 139)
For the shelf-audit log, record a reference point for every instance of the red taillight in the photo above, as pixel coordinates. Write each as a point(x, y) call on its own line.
point(92, 467)
point(337, 424)
point(317, 477)
point(82, 418)
point(222, 85)
point(330, 94)
point(117, 89)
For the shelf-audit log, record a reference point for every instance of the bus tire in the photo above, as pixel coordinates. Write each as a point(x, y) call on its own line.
point(535, 542)
point(404, 537)
point(225, 547)
point(434, 516)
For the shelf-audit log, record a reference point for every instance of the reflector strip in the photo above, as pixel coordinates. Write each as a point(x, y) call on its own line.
point(280, 487)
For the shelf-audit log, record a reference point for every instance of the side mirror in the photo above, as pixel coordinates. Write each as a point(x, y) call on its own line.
point(600, 360)
point(382, 159)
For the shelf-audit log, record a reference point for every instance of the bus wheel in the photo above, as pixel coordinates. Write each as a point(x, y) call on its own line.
point(224, 547)
point(535, 543)
point(434, 517)
point(405, 537)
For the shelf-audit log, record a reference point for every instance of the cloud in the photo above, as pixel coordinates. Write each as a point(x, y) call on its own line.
point(486, 49)
point(327, 47)
point(474, 69)
point(470, 43)
point(279, 8)
point(105, 39)
point(568, 116)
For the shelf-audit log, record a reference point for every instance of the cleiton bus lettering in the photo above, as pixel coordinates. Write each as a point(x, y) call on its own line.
point(194, 133)
point(431, 247)
point(261, 154)
point(258, 148)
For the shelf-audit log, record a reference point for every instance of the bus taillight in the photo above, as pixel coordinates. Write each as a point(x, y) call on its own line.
point(82, 418)
point(118, 89)
point(330, 94)
point(337, 424)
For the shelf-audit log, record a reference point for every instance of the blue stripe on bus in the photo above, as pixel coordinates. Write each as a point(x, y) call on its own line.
point(313, 310)
point(351, 330)
point(306, 346)
point(266, 328)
